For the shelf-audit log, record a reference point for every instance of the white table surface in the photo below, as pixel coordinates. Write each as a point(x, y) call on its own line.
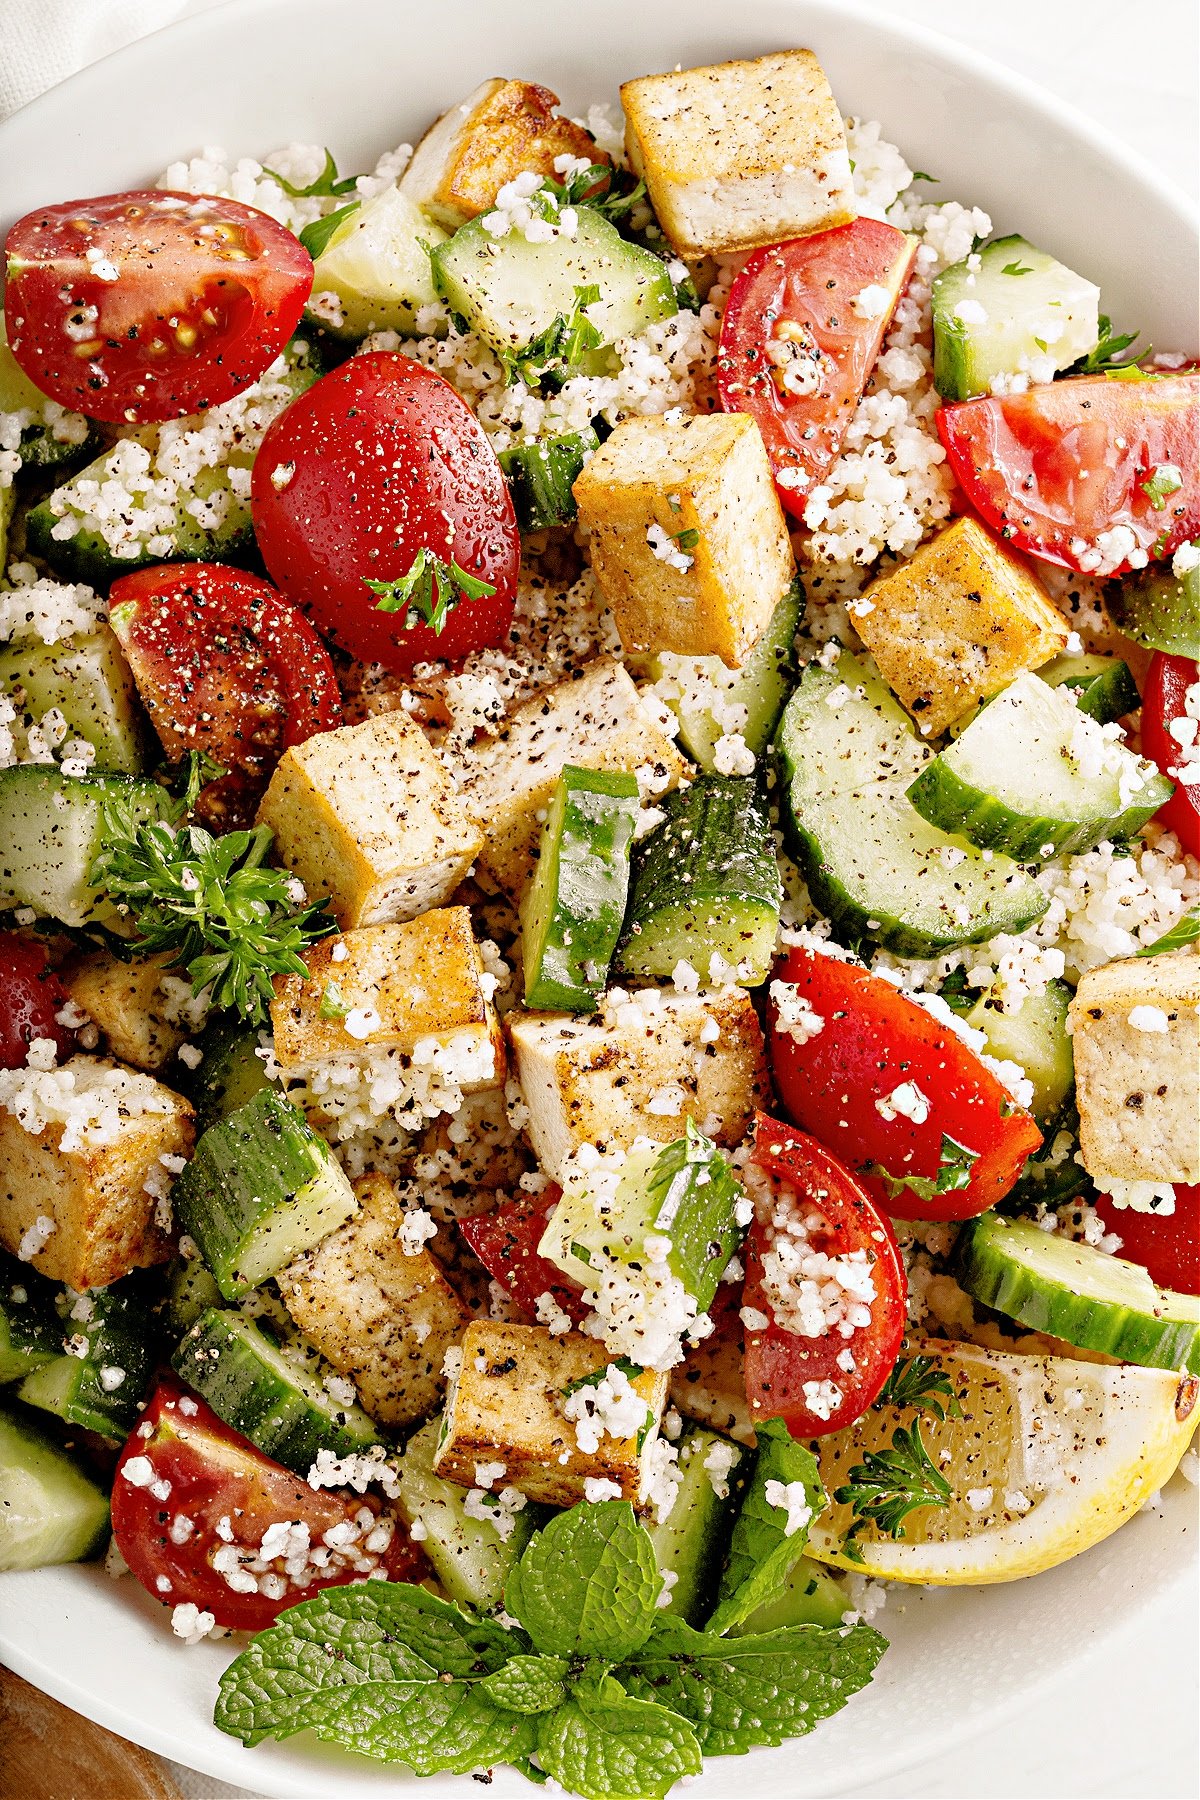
point(1122, 1727)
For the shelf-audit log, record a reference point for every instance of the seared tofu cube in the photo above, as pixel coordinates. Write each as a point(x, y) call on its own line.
point(686, 533)
point(82, 1168)
point(378, 1308)
point(368, 815)
point(641, 1067)
point(739, 154)
point(142, 1007)
point(498, 132)
point(507, 1404)
point(709, 1385)
point(1136, 1033)
point(958, 622)
point(595, 722)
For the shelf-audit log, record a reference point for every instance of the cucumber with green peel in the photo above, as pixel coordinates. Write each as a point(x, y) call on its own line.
point(843, 728)
point(275, 1399)
point(30, 1331)
point(106, 1356)
point(705, 882)
point(189, 1290)
point(376, 263)
point(1078, 1293)
point(541, 477)
point(1101, 686)
point(690, 1543)
point(50, 1510)
point(811, 1595)
point(261, 1188)
point(90, 683)
point(1158, 608)
point(51, 830)
point(1009, 310)
point(8, 507)
point(50, 436)
point(1035, 1036)
point(230, 1071)
point(1030, 776)
point(573, 908)
point(707, 688)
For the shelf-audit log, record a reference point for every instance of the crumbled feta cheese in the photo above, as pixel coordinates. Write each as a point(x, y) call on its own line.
point(549, 1313)
point(1149, 1018)
point(36, 1238)
point(609, 1407)
point(190, 1623)
point(871, 302)
point(719, 1461)
point(822, 1398)
point(416, 1229)
point(598, 1487)
point(1140, 1196)
point(667, 550)
point(790, 1497)
point(905, 1101)
point(795, 1015)
point(732, 755)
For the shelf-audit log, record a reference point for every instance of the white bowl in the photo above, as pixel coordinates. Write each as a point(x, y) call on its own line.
point(258, 74)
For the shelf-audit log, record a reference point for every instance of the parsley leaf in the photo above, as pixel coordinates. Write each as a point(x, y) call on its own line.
point(317, 233)
point(918, 1382)
point(920, 175)
point(561, 347)
point(603, 1744)
point(955, 1163)
point(528, 1684)
point(327, 183)
point(587, 1583)
point(1183, 932)
point(427, 594)
point(1162, 482)
point(888, 1485)
point(334, 1004)
point(594, 186)
point(761, 1554)
point(595, 1376)
point(1016, 268)
point(1104, 356)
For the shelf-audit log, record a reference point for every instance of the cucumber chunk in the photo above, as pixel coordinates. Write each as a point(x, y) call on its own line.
point(99, 1383)
point(50, 1511)
point(575, 903)
point(690, 1543)
point(1079, 1294)
point(706, 688)
point(275, 1400)
point(541, 477)
point(51, 830)
point(230, 1071)
point(1030, 773)
point(1009, 310)
point(811, 1595)
point(50, 436)
point(30, 1332)
point(189, 1291)
point(1035, 1036)
point(377, 264)
point(469, 1557)
point(1101, 686)
point(1158, 608)
point(90, 683)
point(261, 1188)
point(706, 882)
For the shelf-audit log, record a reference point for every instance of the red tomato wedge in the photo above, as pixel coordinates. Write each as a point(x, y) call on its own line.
point(31, 997)
point(183, 1472)
point(1166, 722)
point(799, 341)
point(1054, 468)
point(506, 1242)
point(377, 462)
point(224, 664)
point(811, 1214)
point(148, 305)
point(1167, 1246)
point(889, 1088)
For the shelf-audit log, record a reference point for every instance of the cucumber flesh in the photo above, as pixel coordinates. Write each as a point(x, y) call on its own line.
point(1079, 1294)
point(230, 1071)
point(50, 1511)
point(1021, 778)
point(377, 264)
point(810, 1596)
point(91, 684)
point(190, 1290)
point(575, 904)
point(100, 1384)
point(690, 1543)
point(1101, 686)
point(697, 688)
point(1009, 310)
point(541, 477)
point(51, 829)
point(30, 1332)
point(469, 1557)
point(1158, 608)
point(1035, 1036)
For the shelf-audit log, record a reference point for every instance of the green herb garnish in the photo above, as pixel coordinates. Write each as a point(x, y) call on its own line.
point(1183, 932)
point(318, 232)
point(430, 590)
point(687, 540)
point(334, 1004)
point(1016, 268)
point(1161, 484)
point(955, 1163)
point(327, 183)
point(918, 1382)
point(887, 1485)
point(561, 347)
point(1105, 354)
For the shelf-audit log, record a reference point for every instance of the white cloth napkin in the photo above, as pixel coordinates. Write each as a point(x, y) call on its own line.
point(44, 41)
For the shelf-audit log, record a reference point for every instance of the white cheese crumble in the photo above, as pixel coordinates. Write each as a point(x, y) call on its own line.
point(871, 302)
point(667, 550)
point(416, 1229)
point(822, 1398)
point(609, 1407)
point(598, 1487)
point(549, 1313)
point(36, 1238)
point(790, 1498)
point(906, 1101)
point(719, 1462)
point(795, 1015)
point(1149, 1018)
point(1139, 1196)
point(732, 755)
point(190, 1623)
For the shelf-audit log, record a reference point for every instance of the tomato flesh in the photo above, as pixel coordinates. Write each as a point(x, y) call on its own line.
point(796, 301)
point(809, 1190)
point(224, 664)
point(207, 1477)
point(31, 995)
point(1053, 468)
point(506, 1242)
point(148, 305)
point(1166, 1245)
point(873, 1042)
point(1165, 705)
point(377, 461)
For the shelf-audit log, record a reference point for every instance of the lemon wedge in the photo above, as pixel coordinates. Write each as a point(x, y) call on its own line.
point(1050, 1455)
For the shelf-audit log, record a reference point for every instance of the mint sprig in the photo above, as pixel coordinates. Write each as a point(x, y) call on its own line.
point(604, 1742)
point(587, 1585)
point(761, 1552)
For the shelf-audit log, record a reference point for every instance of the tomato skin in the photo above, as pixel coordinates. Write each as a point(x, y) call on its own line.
point(873, 1040)
point(1164, 700)
point(207, 293)
point(386, 460)
point(224, 664)
point(810, 283)
point(1168, 1247)
point(213, 1474)
point(779, 1362)
point(30, 996)
point(506, 1242)
point(1059, 464)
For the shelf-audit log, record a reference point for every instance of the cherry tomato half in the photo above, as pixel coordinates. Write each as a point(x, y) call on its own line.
point(795, 351)
point(506, 1242)
point(1053, 468)
point(224, 664)
point(182, 1472)
point(1171, 722)
point(1166, 1245)
point(884, 1085)
point(148, 305)
point(379, 461)
point(811, 1207)
point(30, 996)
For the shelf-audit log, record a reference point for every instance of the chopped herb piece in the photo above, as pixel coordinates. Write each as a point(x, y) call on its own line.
point(429, 591)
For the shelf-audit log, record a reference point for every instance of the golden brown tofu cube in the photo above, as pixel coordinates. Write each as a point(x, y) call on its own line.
point(709, 1386)
point(78, 1196)
point(368, 815)
point(381, 1312)
point(1136, 1034)
point(142, 1007)
point(506, 1405)
point(738, 154)
point(686, 534)
point(958, 622)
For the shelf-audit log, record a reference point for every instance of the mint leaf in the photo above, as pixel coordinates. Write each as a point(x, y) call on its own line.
point(443, 1727)
point(955, 1163)
point(528, 1684)
point(317, 233)
point(587, 1584)
point(739, 1693)
point(604, 1745)
point(761, 1553)
point(1183, 932)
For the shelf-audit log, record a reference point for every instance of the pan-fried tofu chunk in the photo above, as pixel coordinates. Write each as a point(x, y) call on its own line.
point(145, 1009)
point(498, 132)
point(595, 722)
point(645, 1063)
point(740, 153)
point(522, 1398)
point(686, 533)
point(958, 622)
point(367, 815)
point(86, 1153)
point(1136, 1033)
point(710, 1386)
point(377, 1307)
